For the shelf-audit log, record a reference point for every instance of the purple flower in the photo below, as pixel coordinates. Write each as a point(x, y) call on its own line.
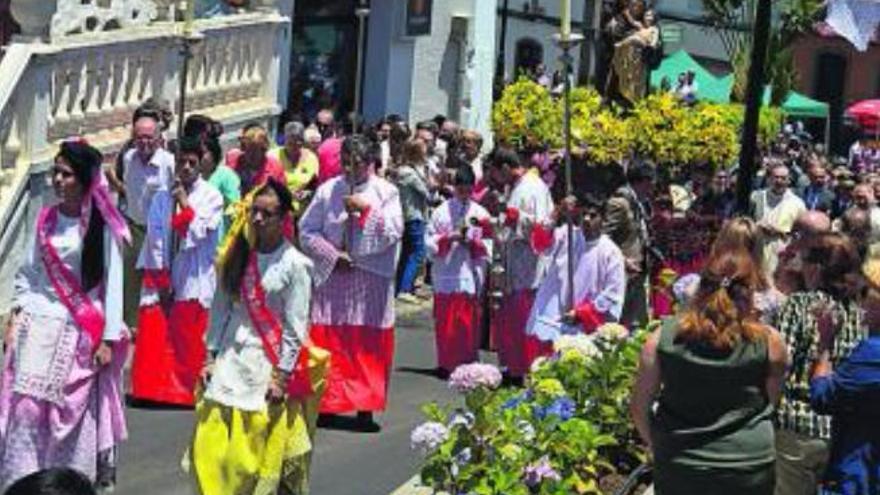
point(428, 436)
point(469, 377)
point(540, 471)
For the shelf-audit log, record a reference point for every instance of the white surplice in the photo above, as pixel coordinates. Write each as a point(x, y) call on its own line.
point(193, 276)
point(457, 271)
point(599, 278)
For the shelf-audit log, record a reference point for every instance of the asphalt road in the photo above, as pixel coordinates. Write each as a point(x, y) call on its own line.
point(345, 462)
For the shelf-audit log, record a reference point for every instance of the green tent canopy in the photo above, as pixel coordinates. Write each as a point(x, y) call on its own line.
point(710, 88)
point(798, 105)
point(717, 90)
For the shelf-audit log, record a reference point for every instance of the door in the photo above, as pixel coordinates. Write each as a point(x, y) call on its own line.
point(830, 88)
point(323, 61)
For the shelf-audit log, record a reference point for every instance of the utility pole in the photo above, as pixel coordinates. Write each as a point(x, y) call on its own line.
point(754, 97)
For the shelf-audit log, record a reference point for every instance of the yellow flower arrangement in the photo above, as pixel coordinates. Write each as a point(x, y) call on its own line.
point(659, 127)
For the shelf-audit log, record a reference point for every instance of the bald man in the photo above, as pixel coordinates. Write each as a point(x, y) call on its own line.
point(808, 227)
point(856, 223)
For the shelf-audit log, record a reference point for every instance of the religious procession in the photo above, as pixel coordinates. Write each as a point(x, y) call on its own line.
point(237, 267)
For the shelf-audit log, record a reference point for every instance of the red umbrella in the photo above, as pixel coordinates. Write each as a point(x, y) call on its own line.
point(865, 114)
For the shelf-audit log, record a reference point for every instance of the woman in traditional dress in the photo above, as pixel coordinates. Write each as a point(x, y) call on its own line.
point(60, 395)
point(262, 379)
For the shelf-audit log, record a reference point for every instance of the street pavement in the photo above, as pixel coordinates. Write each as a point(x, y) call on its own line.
point(345, 462)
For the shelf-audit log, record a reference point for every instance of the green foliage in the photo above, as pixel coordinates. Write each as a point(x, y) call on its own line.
point(561, 435)
point(659, 127)
point(527, 116)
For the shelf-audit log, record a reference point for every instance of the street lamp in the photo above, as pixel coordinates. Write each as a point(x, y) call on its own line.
point(188, 39)
point(567, 41)
point(362, 11)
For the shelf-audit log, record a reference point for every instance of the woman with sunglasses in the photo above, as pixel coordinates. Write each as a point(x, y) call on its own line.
point(261, 378)
point(61, 387)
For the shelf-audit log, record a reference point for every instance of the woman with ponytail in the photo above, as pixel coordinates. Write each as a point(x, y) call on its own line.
point(66, 343)
point(715, 372)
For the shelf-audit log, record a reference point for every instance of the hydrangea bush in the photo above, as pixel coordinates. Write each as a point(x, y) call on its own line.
point(560, 434)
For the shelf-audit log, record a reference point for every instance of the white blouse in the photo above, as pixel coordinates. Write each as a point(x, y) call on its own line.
point(242, 371)
point(34, 292)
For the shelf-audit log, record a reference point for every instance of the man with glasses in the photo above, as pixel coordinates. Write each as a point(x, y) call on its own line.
point(147, 168)
point(817, 195)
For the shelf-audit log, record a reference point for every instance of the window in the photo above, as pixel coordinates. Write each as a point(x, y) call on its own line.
point(529, 54)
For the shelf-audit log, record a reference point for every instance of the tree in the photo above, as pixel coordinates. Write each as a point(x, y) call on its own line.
point(734, 23)
point(754, 97)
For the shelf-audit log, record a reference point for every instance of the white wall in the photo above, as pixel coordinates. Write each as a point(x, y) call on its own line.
point(436, 74)
point(539, 29)
point(388, 63)
point(453, 76)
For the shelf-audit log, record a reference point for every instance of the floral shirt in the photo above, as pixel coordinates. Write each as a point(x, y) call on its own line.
point(796, 323)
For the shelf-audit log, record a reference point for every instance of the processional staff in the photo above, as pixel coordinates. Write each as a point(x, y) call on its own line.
point(566, 41)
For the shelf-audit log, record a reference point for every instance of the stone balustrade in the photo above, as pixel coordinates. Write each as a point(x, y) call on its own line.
point(90, 84)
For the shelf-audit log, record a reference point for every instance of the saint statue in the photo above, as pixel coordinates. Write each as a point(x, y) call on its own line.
point(633, 35)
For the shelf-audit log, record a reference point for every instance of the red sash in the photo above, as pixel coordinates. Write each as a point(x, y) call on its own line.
point(253, 296)
point(87, 316)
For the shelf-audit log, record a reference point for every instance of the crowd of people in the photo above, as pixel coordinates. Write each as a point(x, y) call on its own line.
point(258, 285)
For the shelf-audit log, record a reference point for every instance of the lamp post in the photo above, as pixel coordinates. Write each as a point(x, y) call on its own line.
point(362, 12)
point(188, 39)
point(567, 41)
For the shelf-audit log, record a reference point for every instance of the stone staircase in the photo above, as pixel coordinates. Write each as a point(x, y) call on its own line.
point(89, 84)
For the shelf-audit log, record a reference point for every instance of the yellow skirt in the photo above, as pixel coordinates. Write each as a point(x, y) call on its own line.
point(237, 452)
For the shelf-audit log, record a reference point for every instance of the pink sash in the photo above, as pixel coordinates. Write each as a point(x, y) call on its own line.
point(87, 316)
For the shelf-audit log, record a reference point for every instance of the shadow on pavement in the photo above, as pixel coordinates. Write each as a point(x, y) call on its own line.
point(154, 406)
point(438, 373)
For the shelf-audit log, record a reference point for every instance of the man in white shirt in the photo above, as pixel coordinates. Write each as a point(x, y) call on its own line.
point(178, 264)
point(146, 169)
point(775, 209)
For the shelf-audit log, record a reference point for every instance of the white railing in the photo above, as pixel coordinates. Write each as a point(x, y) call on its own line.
point(90, 84)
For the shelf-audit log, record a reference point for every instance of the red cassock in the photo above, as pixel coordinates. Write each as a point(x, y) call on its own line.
point(457, 325)
point(516, 349)
point(360, 368)
point(169, 353)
